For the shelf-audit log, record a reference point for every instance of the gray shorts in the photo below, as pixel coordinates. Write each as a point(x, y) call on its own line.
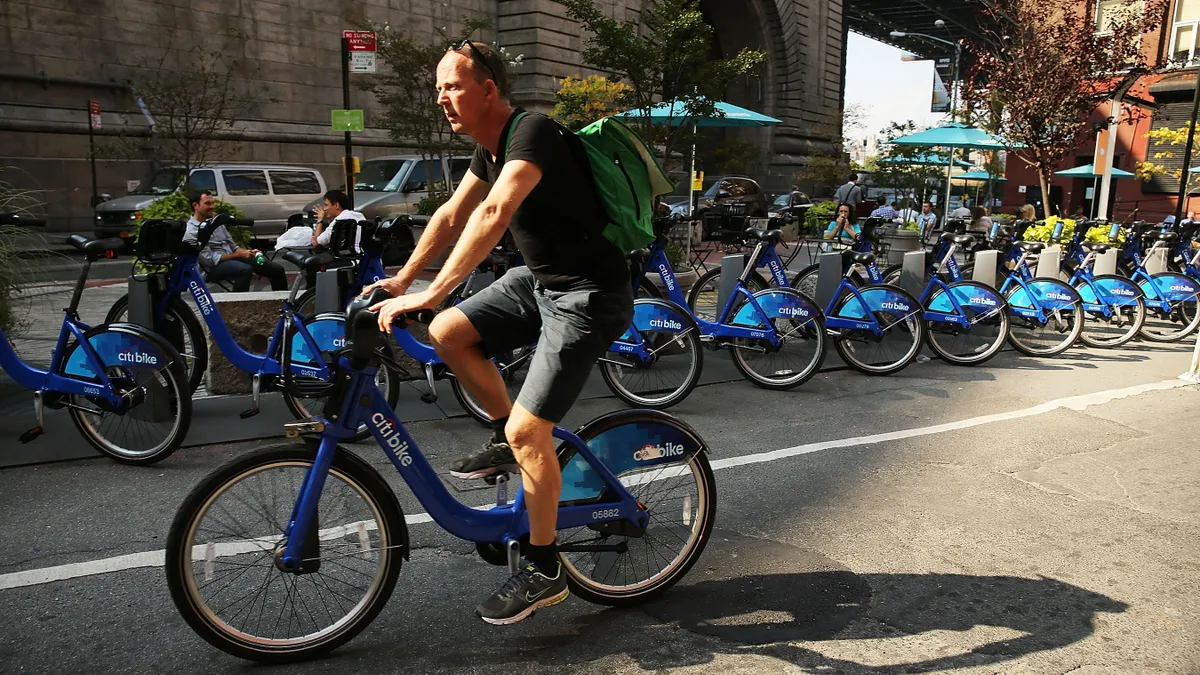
point(572, 330)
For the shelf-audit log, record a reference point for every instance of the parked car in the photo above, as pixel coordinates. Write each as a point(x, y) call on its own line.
point(393, 186)
point(723, 191)
point(268, 193)
point(794, 204)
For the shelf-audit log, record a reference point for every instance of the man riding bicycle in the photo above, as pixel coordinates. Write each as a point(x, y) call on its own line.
point(573, 298)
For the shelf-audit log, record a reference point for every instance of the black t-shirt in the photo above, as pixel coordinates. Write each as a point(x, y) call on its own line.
point(558, 227)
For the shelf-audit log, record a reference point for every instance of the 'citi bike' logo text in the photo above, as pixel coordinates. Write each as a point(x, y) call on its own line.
point(130, 356)
point(339, 342)
point(1122, 292)
point(793, 311)
point(986, 302)
point(647, 452)
point(1055, 295)
point(1184, 289)
point(391, 437)
point(778, 274)
point(666, 276)
point(891, 304)
point(203, 301)
point(668, 323)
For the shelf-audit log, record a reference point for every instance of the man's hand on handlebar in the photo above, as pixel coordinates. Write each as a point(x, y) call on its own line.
point(395, 286)
point(402, 304)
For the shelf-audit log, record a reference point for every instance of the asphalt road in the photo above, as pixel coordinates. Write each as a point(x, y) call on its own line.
point(1030, 516)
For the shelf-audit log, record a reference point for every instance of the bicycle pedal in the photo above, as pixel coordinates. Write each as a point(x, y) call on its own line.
point(247, 414)
point(495, 478)
point(294, 429)
point(32, 434)
point(429, 397)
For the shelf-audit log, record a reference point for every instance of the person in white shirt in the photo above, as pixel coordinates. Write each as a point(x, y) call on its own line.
point(331, 215)
point(905, 213)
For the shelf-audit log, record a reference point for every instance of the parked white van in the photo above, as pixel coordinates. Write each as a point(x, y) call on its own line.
point(268, 193)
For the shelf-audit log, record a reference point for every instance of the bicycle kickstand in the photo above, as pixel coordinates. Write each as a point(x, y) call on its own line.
point(38, 410)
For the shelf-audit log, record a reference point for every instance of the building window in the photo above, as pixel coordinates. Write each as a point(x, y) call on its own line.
point(1184, 31)
point(1106, 11)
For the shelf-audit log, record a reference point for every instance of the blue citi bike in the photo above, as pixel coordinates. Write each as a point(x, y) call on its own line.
point(877, 328)
point(1170, 297)
point(297, 360)
point(124, 387)
point(290, 551)
point(776, 336)
point(1114, 307)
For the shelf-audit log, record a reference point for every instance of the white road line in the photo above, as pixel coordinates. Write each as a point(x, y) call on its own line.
point(157, 558)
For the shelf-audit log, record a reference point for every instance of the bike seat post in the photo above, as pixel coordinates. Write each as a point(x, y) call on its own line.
point(77, 295)
point(751, 262)
point(950, 251)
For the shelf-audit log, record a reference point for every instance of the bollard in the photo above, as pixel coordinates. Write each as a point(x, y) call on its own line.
point(143, 289)
point(1193, 372)
point(985, 268)
point(1106, 263)
point(912, 274)
point(829, 276)
point(732, 267)
point(1049, 262)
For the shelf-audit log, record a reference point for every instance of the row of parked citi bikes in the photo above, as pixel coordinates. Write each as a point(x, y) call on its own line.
point(291, 550)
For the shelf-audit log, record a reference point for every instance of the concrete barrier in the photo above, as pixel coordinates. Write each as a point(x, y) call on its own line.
point(251, 318)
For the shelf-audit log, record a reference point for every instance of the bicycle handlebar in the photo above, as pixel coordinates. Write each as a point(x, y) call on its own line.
point(220, 220)
point(362, 325)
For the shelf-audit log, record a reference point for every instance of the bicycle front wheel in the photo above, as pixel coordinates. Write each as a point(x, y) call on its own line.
point(1056, 327)
point(986, 315)
point(680, 498)
point(704, 297)
point(672, 370)
point(228, 536)
point(899, 316)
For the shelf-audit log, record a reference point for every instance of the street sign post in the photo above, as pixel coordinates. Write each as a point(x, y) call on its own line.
point(93, 125)
point(361, 48)
point(358, 56)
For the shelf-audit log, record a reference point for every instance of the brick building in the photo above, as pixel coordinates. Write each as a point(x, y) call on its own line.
point(56, 55)
point(1158, 101)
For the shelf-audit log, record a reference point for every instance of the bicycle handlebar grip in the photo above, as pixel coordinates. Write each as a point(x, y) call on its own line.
point(18, 220)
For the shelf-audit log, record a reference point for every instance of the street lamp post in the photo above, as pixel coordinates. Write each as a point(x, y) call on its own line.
point(953, 102)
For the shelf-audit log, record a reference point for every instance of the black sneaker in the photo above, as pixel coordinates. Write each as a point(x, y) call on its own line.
point(523, 594)
point(493, 459)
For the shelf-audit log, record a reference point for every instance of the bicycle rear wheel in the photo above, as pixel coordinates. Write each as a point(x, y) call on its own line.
point(967, 346)
point(159, 412)
point(676, 358)
point(1055, 332)
point(679, 496)
point(1170, 324)
point(1128, 312)
point(802, 342)
point(227, 536)
point(903, 331)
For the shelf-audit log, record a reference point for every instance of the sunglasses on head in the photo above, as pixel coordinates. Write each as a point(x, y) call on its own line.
point(476, 55)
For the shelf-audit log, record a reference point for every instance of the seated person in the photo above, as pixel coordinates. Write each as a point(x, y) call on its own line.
point(222, 258)
point(842, 229)
point(883, 210)
point(336, 208)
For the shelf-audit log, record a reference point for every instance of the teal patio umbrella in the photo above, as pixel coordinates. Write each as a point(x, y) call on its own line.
point(980, 176)
point(674, 114)
point(928, 159)
point(1089, 171)
point(952, 135)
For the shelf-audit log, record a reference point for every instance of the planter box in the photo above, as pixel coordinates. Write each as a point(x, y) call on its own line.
point(901, 242)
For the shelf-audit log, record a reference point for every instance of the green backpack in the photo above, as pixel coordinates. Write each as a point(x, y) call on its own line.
point(625, 173)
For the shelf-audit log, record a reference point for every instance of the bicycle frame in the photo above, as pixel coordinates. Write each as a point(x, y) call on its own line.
point(498, 524)
point(950, 264)
point(91, 364)
point(1022, 277)
point(185, 275)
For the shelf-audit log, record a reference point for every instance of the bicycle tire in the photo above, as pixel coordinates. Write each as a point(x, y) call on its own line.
point(893, 325)
point(805, 281)
point(171, 382)
point(1184, 313)
point(195, 360)
point(702, 297)
point(982, 351)
point(696, 517)
point(1019, 324)
point(790, 329)
point(618, 373)
point(390, 531)
point(1138, 311)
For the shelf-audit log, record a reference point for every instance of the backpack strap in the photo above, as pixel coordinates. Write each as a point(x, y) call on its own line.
point(512, 128)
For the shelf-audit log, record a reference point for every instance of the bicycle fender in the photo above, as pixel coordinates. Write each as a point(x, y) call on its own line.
point(878, 299)
point(1171, 287)
point(626, 440)
point(120, 344)
point(967, 294)
point(328, 331)
point(775, 302)
point(657, 315)
point(1121, 291)
point(1050, 294)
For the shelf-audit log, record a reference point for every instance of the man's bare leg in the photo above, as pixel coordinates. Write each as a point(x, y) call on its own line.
point(458, 344)
point(532, 441)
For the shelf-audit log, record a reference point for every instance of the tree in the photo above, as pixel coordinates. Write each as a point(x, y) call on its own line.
point(1150, 169)
point(194, 99)
point(583, 100)
point(666, 56)
point(830, 170)
point(1045, 65)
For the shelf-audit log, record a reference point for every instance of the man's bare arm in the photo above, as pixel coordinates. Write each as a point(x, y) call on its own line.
point(444, 226)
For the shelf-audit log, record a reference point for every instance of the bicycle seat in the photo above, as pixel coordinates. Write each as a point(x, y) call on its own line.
point(962, 239)
point(851, 257)
point(768, 236)
point(1095, 247)
point(1169, 237)
point(95, 249)
point(638, 254)
point(1031, 246)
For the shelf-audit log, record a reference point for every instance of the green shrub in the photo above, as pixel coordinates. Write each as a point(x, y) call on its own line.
point(818, 217)
point(431, 202)
point(175, 206)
